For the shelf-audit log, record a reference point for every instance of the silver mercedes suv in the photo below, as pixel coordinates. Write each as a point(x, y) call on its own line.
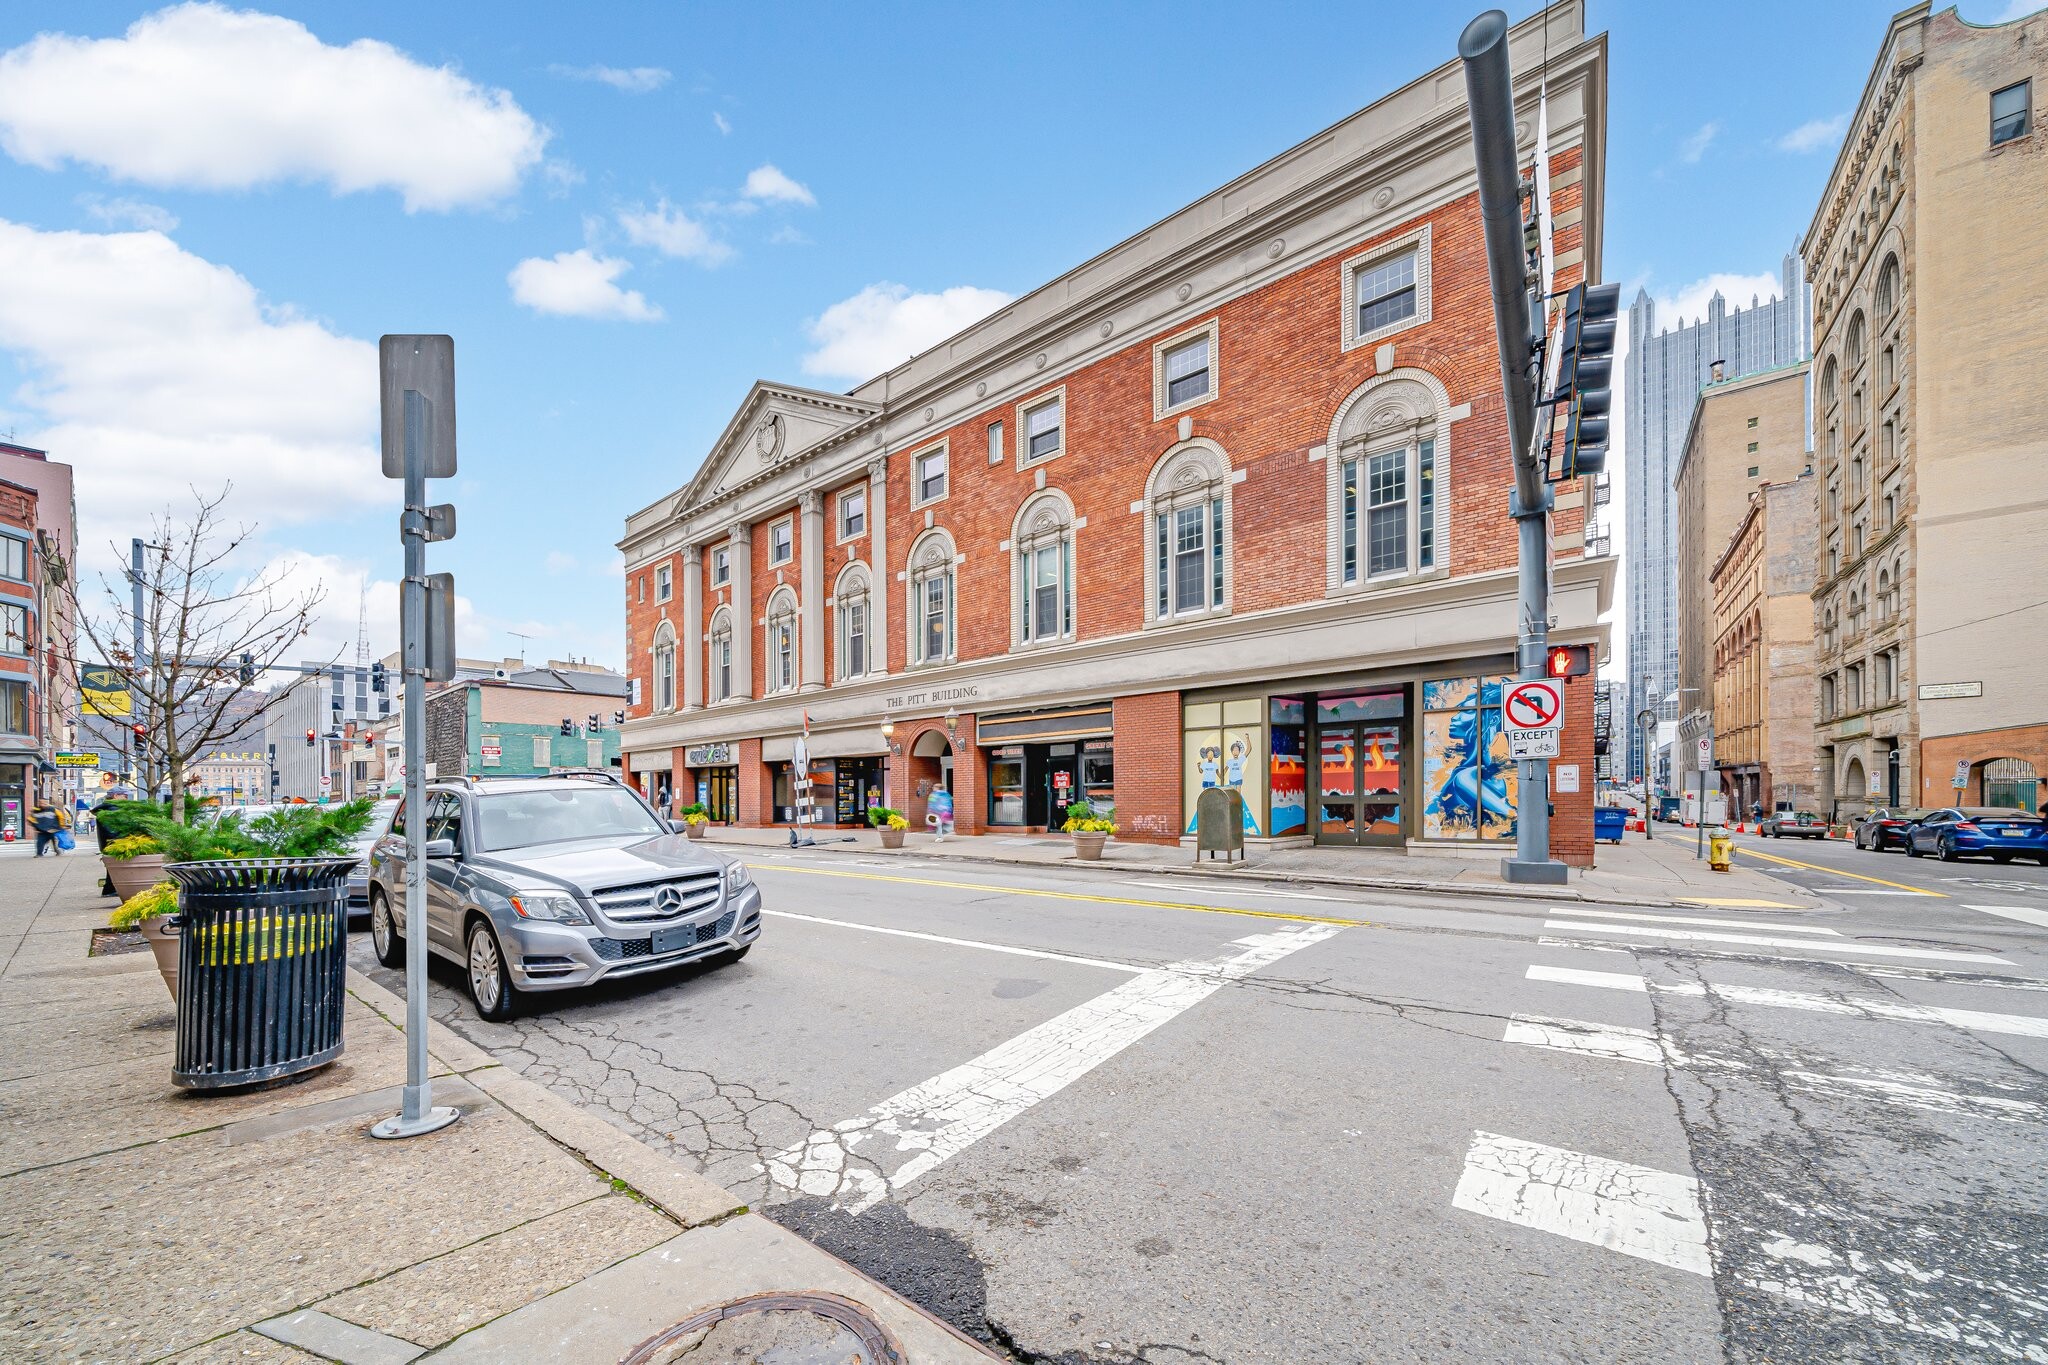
point(542, 883)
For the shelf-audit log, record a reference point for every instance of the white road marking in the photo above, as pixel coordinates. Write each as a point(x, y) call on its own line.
point(1635, 1210)
point(942, 1117)
point(1980, 1021)
point(1658, 1216)
point(962, 942)
point(1609, 1042)
point(1864, 891)
point(1766, 941)
point(1183, 887)
point(2014, 912)
point(1694, 919)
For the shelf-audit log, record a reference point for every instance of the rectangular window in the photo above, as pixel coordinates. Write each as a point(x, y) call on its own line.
point(781, 542)
point(785, 657)
point(1351, 521)
point(1386, 524)
point(1386, 293)
point(721, 673)
point(13, 559)
point(13, 708)
point(855, 663)
point(931, 475)
point(995, 443)
point(640, 588)
point(1852, 684)
point(1752, 422)
point(1752, 447)
point(1216, 552)
point(933, 595)
point(1190, 557)
point(13, 628)
point(853, 514)
point(1042, 431)
point(664, 583)
point(1042, 593)
point(2011, 112)
point(721, 566)
point(1753, 469)
point(1187, 372)
point(1425, 515)
point(1827, 697)
point(491, 751)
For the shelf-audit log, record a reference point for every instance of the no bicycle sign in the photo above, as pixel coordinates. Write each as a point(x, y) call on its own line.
point(1532, 712)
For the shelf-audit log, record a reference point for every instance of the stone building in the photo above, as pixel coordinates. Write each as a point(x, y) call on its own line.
point(1928, 254)
point(1745, 433)
point(1223, 506)
point(1763, 651)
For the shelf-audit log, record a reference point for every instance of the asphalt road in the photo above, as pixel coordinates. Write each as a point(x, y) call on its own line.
point(1839, 871)
point(1124, 1119)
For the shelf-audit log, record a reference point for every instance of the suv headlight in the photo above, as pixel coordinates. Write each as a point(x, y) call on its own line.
point(556, 909)
point(736, 878)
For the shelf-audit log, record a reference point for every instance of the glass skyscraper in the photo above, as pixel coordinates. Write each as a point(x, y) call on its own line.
point(1665, 372)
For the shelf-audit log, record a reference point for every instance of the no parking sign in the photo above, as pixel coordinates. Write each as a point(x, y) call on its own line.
point(1532, 713)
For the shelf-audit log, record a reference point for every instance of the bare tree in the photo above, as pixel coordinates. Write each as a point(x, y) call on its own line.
point(207, 632)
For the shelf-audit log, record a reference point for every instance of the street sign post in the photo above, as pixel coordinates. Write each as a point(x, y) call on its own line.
point(416, 380)
point(1532, 715)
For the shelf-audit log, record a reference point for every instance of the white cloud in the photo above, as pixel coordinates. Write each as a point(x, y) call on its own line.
point(1814, 135)
point(673, 233)
point(561, 176)
point(156, 371)
point(771, 185)
point(634, 80)
point(579, 284)
point(885, 324)
point(1689, 302)
point(1695, 147)
point(206, 97)
point(718, 122)
point(128, 213)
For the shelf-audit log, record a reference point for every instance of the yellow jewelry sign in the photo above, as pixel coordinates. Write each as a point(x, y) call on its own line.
point(106, 692)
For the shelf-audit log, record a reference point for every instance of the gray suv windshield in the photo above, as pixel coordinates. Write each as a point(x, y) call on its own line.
point(557, 815)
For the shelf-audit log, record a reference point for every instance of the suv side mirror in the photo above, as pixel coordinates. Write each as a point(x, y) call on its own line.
point(440, 848)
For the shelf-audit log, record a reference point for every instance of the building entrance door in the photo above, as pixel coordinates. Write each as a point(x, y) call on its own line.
point(722, 795)
point(1063, 783)
point(1358, 772)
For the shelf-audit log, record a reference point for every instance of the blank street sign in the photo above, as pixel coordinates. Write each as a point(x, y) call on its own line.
point(426, 365)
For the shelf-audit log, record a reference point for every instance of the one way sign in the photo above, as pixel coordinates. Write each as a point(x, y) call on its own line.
point(1532, 713)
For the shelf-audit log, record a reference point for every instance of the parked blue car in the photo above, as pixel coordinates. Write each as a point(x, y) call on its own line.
point(1999, 833)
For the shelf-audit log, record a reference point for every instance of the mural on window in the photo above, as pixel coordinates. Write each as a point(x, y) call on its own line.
point(1287, 772)
point(1469, 786)
point(1223, 745)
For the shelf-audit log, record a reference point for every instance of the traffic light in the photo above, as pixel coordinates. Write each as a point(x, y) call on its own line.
point(568, 726)
point(247, 670)
point(377, 680)
point(312, 738)
point(139, 730)
point(618, 717)
point(591, 724)
point(1585, 375)
point(1568, 661)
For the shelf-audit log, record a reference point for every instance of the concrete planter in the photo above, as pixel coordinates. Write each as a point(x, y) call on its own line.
point(163, 941)
point(697, 829)
point(891, 838)
point(1088, 844)
point(130, 875)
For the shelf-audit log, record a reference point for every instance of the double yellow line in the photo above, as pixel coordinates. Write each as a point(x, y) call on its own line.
point(1837, 872)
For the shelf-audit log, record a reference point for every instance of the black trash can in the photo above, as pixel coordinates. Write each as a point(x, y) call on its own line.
point(262, 968)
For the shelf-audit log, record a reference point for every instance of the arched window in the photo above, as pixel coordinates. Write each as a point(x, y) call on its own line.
point(1042, 580)
point(1830, 385)
point(1887, 297)
point(1386, 499)
point(782, 672)
point(1855, 614)
point(665, 667)
point(930, 580)
point(1858, 341)
point(850, 622)
point(721, 654)
point(1884, 595)
point(1887, 370)
point(1187, 530)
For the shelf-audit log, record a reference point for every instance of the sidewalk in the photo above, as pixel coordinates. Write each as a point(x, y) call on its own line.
point(138, 1222)
point(1659, 872)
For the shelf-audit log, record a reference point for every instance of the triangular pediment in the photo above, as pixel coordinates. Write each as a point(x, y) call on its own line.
point(776, 424)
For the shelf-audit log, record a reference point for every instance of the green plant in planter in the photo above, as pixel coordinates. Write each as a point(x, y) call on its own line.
point(160, 899)
point(132, 846)
point(122, 818)
point(695, 814)
point(1085, 817)
point(886, 817)
point(289, 832)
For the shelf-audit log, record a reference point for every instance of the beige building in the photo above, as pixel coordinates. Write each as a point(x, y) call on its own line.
point(1763, 651)
point(1745, 433)
point(1928, 255)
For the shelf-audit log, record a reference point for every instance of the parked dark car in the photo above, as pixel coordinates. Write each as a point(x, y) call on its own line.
point(1885, 828)
point(1788, 824)
point(2000, 833)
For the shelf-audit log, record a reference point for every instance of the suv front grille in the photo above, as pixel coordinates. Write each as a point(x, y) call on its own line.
point(625, 949)
point(636, 904)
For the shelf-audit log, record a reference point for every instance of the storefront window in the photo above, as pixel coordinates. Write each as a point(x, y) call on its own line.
point(1469, 784)
point(1287, 769)
point(784, 791)
point(1098, 772)
point(1223, 744)
point(1006, 785)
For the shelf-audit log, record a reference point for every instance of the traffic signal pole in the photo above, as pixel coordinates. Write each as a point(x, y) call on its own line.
point(1517, 311)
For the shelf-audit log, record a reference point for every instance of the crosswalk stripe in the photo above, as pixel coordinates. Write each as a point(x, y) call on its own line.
point(1610, 1042)
point(2014, 912)
point(1695, 919)
point(1635, 1210)
point(1979, 1021)
point(1767, 941)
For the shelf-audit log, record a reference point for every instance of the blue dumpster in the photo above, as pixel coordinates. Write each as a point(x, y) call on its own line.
point(1608, 823)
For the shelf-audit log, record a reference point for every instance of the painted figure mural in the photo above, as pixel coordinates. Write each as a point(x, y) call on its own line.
point(1468, 781)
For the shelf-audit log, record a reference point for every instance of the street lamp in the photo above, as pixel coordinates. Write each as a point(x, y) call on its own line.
point(888, 738)
point(1647, 718)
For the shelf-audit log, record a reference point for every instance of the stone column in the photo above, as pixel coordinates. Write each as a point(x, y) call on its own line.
point(814, 610)
point(881, 583)
point(744, 624)
point(692, 645)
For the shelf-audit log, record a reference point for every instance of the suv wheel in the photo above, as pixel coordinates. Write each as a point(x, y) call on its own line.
point(490, 982)
point(384, 936)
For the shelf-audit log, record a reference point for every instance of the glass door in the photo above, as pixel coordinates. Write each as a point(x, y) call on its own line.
point(1359, 775)
point(1337, 786)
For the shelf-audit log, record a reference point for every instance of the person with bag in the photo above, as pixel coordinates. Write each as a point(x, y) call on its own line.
point(48, 822)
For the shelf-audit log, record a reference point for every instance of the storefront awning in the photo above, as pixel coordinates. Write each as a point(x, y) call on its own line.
point(1037, 727)
point(830, 744)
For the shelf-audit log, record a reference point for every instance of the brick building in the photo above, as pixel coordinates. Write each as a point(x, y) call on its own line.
point(1763, 652)
point(513, 727)
point(1225, 505)
point(24, 737)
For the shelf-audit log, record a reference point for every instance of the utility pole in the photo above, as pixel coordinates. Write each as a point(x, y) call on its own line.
point(1489, 91)
point(139, 753)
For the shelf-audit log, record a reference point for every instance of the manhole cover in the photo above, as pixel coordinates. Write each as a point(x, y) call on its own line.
point(808, 1328)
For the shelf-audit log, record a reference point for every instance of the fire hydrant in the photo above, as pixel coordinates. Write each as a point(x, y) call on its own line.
point(1720, 849)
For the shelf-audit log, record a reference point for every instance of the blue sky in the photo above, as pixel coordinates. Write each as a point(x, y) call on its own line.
point(626, 213)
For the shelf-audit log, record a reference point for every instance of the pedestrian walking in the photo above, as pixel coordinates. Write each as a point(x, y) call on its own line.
point(938, 811)
point(47, 820)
